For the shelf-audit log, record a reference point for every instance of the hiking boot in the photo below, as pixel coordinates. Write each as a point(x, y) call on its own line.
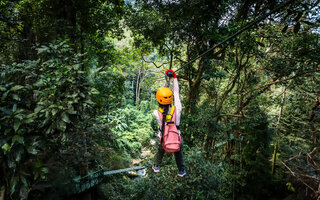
point(156, 169)
point(182, 173)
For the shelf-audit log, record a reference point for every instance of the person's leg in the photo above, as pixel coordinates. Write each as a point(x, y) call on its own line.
point(158, 157)
point(179, 158)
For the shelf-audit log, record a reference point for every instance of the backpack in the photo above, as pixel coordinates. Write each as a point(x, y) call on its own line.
point(170, 138)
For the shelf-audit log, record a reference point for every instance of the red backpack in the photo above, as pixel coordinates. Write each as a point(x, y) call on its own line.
point(171, 139)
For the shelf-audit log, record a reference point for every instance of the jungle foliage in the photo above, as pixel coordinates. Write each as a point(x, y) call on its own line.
point(77, 85)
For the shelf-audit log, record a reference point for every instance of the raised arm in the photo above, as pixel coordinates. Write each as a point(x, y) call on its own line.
point(176, 94)
point(177, 102)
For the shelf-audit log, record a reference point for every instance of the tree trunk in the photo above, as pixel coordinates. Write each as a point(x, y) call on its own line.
point(138, 87)
point(274, 159)
point(86, 196)
point(26, 52)
point(311, 121)
point(194, 86)
point(71, 17)
point(275, 150)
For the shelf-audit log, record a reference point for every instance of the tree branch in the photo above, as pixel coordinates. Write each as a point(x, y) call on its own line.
point(233, 115)
point(154, 62)
point(280, 81)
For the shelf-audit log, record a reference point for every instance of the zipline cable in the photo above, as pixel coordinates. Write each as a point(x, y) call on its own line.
point(240, 31)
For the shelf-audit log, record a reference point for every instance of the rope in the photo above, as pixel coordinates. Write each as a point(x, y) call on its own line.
point(240, 31)
point(123, 170)
point(94, 178)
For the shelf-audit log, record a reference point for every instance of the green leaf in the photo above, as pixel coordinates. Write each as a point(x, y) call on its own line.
point(39, 83)
point(32, 150)
point(7, 131)
point(13, 182)
point(38, 164)
point(29, 120)
point(16, 125)
point(37, 109)
point(2, 89)
point(4, 96)
point(72, 111)
point(36, 175)
point(54, 112)
point(45, 170)
point(62, 126)
point(24, 181)
point(17, 87)
point(65, 118)
point(48, 131)
point(6, 147)
point(16, 97)
point(14, 108)
point(18, 155)
point(18, 138)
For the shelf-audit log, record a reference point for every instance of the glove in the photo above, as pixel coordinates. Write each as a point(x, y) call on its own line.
point(174, 75)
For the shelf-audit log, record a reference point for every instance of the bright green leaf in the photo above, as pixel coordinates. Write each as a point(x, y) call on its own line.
point(6, 147)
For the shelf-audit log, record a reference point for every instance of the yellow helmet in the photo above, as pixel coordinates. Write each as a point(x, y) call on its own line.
point(164, 96)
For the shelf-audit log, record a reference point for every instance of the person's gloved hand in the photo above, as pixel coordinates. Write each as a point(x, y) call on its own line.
point(174, 75)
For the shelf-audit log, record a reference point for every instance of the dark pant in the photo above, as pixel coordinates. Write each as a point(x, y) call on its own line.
point(178, 156)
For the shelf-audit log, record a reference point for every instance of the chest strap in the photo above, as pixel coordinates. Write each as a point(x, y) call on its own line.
point(169, 115)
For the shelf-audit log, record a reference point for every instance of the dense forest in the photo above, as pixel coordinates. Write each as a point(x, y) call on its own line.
point(77, 93)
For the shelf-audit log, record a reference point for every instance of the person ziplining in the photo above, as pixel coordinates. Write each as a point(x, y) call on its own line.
point(168, 118)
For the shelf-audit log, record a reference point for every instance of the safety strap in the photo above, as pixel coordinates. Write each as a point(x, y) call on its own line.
point(170, 115)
